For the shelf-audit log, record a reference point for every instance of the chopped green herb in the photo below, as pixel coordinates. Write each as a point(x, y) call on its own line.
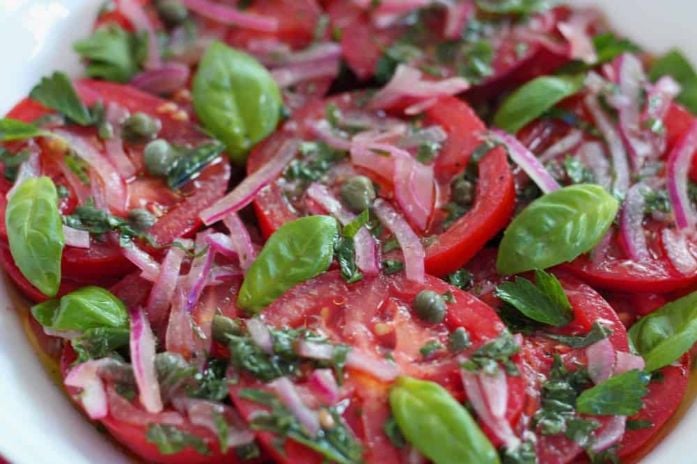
point(171, 440)
point(99, 222)
point(57, 92)
point(493, 354)
point(317, 159)
point(608, 46)
point(112, 53)
point(392, 266)
point(599, 331)
point(394, 55)
point(656, 200)
point(11, 162)
point(543, 302)
point(639, 424)
point(462, 279)
point(13, 129)
point(191, 161)
point(392, 431)
point(620, 395)
point(578, 172)
point(431, 347)
point(99, 342)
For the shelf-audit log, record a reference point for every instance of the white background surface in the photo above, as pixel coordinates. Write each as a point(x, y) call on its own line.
point(37, 422)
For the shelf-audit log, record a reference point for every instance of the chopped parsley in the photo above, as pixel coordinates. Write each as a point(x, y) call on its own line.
point(462, 279)
point(57, 92)
point(317, 159)
point(98, 222)
point(169, 439)
point(489, 357)
point(11, 163)
point(544, 301)
point(620, 395)
point(599, 331)
point(112, 53)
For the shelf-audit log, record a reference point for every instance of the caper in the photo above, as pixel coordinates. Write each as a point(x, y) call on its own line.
point(458, 340)
point(159, 157)
point(430, 306)
point(141, 219)
point(358, 193)
point(172, 12)
point(140, 127)
point(224, 326)
point(463, 191)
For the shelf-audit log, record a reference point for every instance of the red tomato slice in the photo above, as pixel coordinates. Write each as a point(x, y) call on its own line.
point(375, 317)
point(451, 249)
point(178, 212)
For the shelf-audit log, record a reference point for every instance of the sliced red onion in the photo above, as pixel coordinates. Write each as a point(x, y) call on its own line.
point(245, 192)
point(261, 335)
point(563, 146)
point(614, 143)
point(223, 274)
point(527, 161)
point(150, 269)
point(28, 169)
point(206, 414)
point(599, 253)
point(575, 31)
point(221, 244)
point(323, 384)
point(231, 16)
point(611, 433)
point(180, 334)
point(116, 192)
point(592, 154)
point(321, 60)
point(481, 400)
point(659, 98)
point(457, 15)
point(135, 13)
point(163, 289)
point(677, 247)
point(286, 392)
point(678, 169)
point(632, 224)
point(413, 250)
point(76, 238)
point(241, 241)
point(414, 185)
point(115, 115)
point(408, 82)
point(200, 269)
point(93, 396)
point(364, 157)
point(164, 80)
point(355, 359)
point(627, 362)
point(367, 253)
point(142, 345)
point(601, 360)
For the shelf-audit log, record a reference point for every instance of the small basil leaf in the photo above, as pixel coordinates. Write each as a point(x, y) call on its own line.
point(620, 395)
point(667, 333)
point(556, 228)
point(298, 251)
point(545, 302)
point(608, 46)
point(676, 65)
point(437, 425)
point(533, 99)
point(57, 93)
point(113, 53)
point(12, 129)
point(83, 309)
point(235, 98)
point(35, 233)
point(191, 162)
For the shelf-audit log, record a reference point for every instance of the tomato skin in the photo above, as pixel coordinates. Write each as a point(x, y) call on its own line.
point(677, 122)
point(493, 208)
point(661, 402)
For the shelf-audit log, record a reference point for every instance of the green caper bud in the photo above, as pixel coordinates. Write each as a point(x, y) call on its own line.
point(458, 340)
point(463, 191)
point(172, 12)
point(140, 127)
point(141, 219)
point(358, 193)
point(105, 131)
point(159, 157)
point(224, 326)
point(430, 306)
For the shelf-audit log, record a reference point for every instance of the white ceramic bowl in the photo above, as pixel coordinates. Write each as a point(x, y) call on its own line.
point(37, 422)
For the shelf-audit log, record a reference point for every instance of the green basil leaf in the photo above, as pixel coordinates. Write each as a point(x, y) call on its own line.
point(35, 232)
point(556, 228)
point(437, 425)
point(235, 98)
point(81, 310)
point(298, 251)
point(545, 302)
point(667, 333)
point(113, 53)
point(100, 342)
point(676, 65)
point(517, 7)
point(608, 46)
point(57, 92)
point(533, 99)
point(619, 395)
point(12, 129)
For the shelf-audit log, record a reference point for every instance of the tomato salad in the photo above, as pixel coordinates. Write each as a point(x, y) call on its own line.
point(360, 232)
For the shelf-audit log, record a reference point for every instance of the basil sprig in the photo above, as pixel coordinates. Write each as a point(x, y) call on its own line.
point(298, 251)
point(437, 425)
point(666, 334)
point(556, 228)
point(235, 98)
point(35, 233)
point(533, 99)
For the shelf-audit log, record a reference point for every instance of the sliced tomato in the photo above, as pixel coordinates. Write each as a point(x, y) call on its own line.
point(177, 212)
point(375, 317)
point(677, 122)
point(666, 393)
point(449, 249)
